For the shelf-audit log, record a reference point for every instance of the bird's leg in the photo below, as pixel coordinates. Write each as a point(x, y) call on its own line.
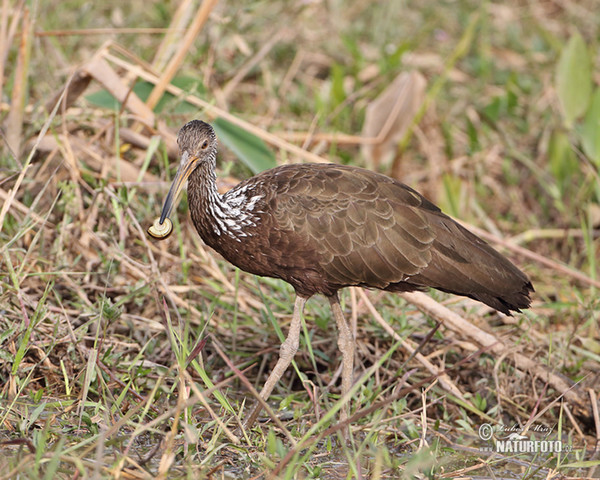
point(286, 354)
point(346, 346)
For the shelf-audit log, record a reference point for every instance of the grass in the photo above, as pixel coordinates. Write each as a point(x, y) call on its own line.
point(123, 357)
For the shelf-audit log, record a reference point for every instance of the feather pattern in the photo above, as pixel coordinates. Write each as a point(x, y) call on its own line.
point(325, 227)
point(322, 227)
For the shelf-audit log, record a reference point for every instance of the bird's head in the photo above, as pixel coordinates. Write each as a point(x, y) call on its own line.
point(197, 144)
point(197, 141)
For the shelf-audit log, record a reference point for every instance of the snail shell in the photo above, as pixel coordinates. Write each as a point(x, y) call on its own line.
point(160, 232)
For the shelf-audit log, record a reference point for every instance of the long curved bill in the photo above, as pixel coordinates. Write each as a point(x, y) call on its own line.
point(163, 226)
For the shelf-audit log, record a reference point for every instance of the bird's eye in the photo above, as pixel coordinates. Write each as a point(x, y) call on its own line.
point(205, 145)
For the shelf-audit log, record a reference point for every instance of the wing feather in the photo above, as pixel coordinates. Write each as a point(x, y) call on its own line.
point(347, 226)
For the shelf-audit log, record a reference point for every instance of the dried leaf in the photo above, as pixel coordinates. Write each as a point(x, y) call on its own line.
point(78, 84)
point(14, 120)
point(101, 70)
point(390, 115)
point(89, 155)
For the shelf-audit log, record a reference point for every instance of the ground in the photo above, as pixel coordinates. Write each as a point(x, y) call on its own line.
point(125, 357)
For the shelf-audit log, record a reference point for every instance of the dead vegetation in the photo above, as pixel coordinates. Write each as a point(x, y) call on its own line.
point(124, 357)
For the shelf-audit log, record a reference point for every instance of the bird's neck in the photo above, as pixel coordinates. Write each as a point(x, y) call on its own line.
point(202, 187)
point(216, 216)
point(206, 203)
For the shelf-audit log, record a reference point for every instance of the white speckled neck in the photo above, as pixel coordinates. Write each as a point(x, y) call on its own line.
point(230, 214)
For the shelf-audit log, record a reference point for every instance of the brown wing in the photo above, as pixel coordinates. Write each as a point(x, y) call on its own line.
point(363, 228)
point(463, 263)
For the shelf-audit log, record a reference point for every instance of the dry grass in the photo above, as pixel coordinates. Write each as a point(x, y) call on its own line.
point(123, 357)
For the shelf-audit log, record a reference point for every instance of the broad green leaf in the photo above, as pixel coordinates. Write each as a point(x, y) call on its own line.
point(590, 130)
point(574, 79)
point(563, 163)
point(142, 89)
point(189, 85)
point(250, 149)
point(103, 99)
point(493, 109)
point(338, 94)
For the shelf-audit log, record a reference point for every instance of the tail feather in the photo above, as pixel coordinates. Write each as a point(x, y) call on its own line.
point(464, 264)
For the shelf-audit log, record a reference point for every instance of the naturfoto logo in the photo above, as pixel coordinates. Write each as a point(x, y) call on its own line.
point(510, 439)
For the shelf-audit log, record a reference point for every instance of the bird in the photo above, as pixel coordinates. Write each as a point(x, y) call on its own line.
point(324, 227)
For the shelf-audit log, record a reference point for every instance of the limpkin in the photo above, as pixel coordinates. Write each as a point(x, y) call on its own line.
point(323, 227)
